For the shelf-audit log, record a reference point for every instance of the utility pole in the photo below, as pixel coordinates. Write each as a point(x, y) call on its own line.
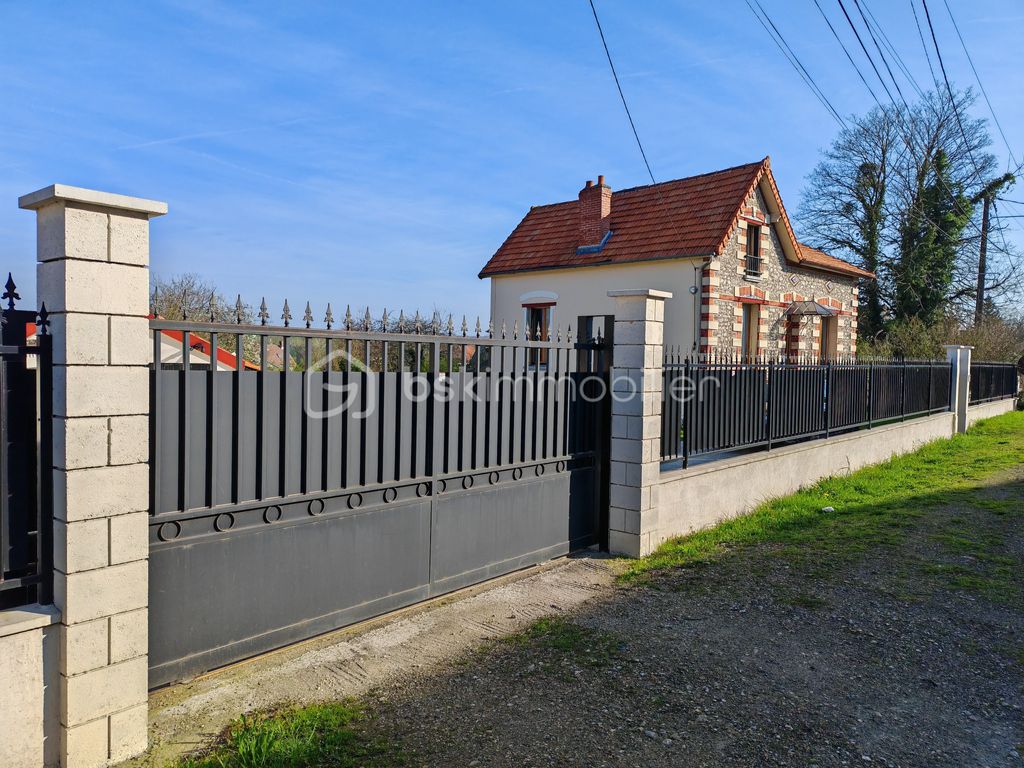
point(986, 196)
point(979, 298)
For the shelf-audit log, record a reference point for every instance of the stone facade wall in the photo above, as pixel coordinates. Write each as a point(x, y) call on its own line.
point(726, 288)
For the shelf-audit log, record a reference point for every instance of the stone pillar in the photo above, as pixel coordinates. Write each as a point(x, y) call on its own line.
point(959, 357)
point(636, 419)
point(93, 277)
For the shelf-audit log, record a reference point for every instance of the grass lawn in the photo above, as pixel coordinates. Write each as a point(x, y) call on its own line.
point(320, 735)
point(873, 506)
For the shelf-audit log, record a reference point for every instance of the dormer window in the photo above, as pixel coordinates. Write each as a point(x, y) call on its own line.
point(753, 262)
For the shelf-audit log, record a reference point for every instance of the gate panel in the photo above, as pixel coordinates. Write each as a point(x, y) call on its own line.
point(520, 520)
point(217, 597)
point(295, 498)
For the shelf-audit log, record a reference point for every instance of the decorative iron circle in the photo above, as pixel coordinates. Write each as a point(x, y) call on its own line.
point(493, 478)
point(517, 473)
point(271, 514)
point(538, 470)
point(390, 494)
point(422, 489)
point(316, 506)
point(169, 531)
point(355, 501)
point(442, 486)
point(467, 482)
point(225, 521)
point(560, 466)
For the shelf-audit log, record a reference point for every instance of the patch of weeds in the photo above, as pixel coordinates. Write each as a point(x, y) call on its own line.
point(331, 734)
point(586, 646)
point(995, 583)
point(802, 600)
point(875, 506)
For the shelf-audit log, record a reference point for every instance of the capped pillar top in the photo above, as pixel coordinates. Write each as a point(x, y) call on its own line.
point(62, 192)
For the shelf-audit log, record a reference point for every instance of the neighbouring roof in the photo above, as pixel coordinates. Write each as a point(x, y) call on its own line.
point(814, 257)
point(688, 217)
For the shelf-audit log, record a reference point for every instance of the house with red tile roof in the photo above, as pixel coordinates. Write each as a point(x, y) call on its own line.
point(720, 243)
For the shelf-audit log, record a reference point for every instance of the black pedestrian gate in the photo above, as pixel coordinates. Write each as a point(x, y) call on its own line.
point(304, 479)
point(26, 458)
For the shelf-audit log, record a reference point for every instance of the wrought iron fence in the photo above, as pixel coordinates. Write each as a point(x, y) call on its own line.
point(26, 457)
point(717, 404)
point(992, 381)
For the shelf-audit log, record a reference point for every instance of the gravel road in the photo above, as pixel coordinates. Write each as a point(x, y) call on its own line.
point(910, 657)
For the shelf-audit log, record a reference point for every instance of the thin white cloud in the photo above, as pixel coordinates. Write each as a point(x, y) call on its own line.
point(214, 134)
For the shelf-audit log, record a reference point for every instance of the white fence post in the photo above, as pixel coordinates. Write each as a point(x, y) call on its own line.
point(93, 277)
point(636, 419)
point(959, 357)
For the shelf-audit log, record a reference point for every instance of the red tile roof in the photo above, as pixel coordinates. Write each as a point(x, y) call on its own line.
point(812, 257)
point(674, 219)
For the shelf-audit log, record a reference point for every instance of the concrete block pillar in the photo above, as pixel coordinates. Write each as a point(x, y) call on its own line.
point(959, 357)
point(636, 419)
point(93, 277)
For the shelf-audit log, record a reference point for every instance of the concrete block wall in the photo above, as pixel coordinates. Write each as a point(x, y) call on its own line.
point(701, 496)
point(29, 703)
point(636, 418)
point(93, 277)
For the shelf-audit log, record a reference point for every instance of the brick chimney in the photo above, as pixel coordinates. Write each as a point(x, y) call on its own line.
point(595, 212)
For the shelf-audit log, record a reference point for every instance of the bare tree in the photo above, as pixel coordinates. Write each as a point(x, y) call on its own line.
point(895, 193)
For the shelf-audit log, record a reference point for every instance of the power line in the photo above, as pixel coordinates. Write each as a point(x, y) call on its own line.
point(881, 55)
point(949, 88)
point(920, 34)
point(866, 53)
point(794, 60)
point(621, 94)
point(976, 77)
point(892, 50)
point(848, 56)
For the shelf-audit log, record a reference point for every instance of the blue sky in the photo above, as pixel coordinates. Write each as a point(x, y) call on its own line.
point(378, 153)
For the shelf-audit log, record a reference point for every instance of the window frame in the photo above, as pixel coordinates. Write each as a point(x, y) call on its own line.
point(752, 265)
point(547, 308)
point(750, 329)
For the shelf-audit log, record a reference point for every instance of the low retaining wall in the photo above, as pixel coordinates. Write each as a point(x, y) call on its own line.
point(29, 684)
point(987, 410)
point(698, 497)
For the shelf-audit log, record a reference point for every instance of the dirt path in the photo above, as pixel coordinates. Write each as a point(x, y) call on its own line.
point(911, 657)
point(344, 664)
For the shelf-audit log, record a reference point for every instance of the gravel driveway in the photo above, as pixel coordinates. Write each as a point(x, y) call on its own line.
point(911, 656)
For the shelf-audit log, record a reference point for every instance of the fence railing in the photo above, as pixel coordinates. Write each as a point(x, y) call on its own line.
point(26, 520)
point(717, 405)
point(992, 381)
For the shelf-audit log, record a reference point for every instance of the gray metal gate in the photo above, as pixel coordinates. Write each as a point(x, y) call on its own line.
point(304, 479)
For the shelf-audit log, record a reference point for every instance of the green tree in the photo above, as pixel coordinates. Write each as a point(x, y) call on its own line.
point(931, 239)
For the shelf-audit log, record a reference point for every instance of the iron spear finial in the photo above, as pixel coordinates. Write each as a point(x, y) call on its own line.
point(11, 294)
